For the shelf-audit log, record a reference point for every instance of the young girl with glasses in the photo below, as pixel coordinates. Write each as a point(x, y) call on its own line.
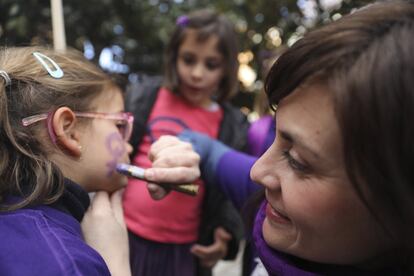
point(63, 130)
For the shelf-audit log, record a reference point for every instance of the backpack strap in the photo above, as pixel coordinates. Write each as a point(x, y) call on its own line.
point(233, 127)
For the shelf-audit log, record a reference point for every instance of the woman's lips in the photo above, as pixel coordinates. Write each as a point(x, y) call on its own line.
point(275, 216)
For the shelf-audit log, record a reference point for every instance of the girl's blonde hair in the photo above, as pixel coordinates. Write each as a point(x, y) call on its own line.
point(25, 169)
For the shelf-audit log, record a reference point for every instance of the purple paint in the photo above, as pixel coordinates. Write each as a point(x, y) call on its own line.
point(116, 147)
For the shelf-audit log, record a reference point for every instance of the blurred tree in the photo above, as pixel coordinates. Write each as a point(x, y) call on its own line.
point(140, 28)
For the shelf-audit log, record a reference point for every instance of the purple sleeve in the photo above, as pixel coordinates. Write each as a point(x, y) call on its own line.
point(233, 177)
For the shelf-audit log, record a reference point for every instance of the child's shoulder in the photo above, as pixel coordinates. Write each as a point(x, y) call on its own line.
point(259, 133)
point(45, 241)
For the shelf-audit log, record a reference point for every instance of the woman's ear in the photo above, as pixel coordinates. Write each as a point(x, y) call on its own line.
point(65, 126)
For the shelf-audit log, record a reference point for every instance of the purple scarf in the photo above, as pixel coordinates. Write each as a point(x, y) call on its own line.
point(275, 262)
point(278, 263)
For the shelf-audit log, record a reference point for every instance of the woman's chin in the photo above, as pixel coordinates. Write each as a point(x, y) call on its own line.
point(278, 238)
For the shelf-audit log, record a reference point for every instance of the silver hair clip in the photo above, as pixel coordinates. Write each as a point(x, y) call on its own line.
point(6, 77)
point(56, 72)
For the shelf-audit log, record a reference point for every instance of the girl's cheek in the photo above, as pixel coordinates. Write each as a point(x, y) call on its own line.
point(115, 146)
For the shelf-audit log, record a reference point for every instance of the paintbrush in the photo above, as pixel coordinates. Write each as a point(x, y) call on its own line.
point(139, 173)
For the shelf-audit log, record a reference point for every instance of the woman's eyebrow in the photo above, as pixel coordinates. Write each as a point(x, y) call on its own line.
point(297, 140)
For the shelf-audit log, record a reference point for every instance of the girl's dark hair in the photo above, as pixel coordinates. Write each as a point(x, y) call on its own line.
point(25, 167)
point(367, 61)
point(207, 23)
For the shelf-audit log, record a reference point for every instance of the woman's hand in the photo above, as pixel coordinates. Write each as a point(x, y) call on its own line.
point(104, 229)
point(173, 161)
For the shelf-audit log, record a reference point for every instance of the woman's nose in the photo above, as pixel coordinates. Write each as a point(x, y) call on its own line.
point(264, 171)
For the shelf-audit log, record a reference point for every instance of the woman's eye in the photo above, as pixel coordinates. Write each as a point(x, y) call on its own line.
point(293, 163)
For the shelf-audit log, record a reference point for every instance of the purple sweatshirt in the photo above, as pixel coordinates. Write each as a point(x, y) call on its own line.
point(47, 240)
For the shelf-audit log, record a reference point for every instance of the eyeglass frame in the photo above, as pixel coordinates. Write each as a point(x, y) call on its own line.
point(120, 116)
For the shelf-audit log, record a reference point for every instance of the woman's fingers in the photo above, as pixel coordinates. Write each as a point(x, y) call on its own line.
point(173, 161)
point(178, 175)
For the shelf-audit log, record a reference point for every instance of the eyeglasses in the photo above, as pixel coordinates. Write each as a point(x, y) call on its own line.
point(124, 124)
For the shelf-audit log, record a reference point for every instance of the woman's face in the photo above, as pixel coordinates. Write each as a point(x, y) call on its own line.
point(312, 211)
point(103, 145)
point(200, 68)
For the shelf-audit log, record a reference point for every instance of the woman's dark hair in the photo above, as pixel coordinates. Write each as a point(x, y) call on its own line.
point(366, 59)
point(206, 23)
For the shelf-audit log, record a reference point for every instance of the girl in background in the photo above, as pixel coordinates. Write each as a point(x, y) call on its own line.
point(200, 78)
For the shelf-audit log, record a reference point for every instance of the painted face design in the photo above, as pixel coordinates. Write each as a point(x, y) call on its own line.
point(115, 145)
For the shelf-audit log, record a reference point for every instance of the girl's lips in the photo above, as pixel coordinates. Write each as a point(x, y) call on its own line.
point(193, 88)
point(276, 217)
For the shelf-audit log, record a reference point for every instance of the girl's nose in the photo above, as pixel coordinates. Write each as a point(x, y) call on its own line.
point(129, 148)
point(198, 71)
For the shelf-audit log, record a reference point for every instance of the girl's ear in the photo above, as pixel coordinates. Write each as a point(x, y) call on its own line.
point(65, 126)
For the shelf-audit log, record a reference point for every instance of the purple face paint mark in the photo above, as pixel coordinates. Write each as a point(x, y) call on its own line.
point(116, 147)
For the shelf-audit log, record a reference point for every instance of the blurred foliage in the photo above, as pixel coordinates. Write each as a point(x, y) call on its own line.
point(142, 27)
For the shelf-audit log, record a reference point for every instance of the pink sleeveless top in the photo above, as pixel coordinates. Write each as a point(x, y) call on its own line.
point(176, 218)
